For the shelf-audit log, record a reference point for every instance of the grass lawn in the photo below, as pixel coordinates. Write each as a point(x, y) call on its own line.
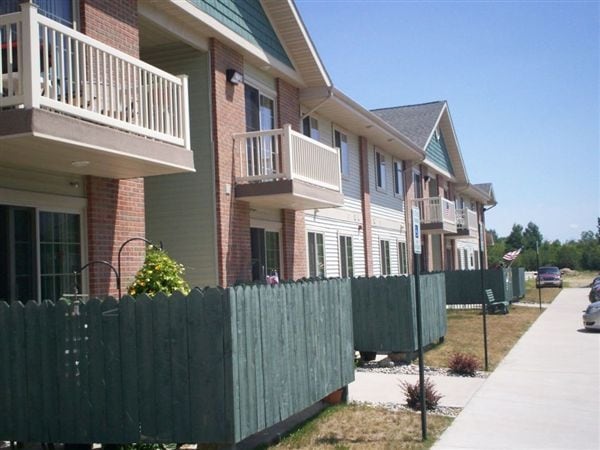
point(465, 335)
point(365, 427)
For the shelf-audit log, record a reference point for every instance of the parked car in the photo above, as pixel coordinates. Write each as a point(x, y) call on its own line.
point(595, 293)
point(548, 276)
point(591, 317)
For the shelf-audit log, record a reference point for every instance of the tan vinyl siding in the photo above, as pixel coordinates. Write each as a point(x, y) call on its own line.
point(180, 208)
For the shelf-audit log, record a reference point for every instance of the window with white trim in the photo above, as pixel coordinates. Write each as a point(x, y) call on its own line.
point(380, 170)
point(402, 257)
point(310, 128)
point(341, 143)
point(399, 179)
point(40, 251)
point(316, 255)
point(384, 257)
point(346, 257)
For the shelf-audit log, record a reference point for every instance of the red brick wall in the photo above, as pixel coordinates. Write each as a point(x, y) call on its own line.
point(115, 213)
point(115, 210)
point(233, 217)
point(294, 227)
point(114, 22)
point(366, 204)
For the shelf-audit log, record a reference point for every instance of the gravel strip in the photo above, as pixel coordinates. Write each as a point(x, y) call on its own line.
point(438, 411)
point(410, 369)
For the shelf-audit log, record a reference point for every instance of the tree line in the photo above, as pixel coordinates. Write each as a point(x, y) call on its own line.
point(583, 254)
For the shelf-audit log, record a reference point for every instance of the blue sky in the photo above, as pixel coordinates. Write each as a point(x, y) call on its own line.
point(521, 80)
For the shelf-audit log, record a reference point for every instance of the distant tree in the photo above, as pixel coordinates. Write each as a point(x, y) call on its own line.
point(598, 230)
point(531, 236)
point(495, 253)
point(569, 256)
point(515, 238)
point(493, 234)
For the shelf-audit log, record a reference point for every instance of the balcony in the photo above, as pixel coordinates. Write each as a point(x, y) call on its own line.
point(284, 169)
point(438, 215)
point(467, 225)
point(72, 104)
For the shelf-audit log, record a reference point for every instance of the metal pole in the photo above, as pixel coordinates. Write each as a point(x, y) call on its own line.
point(417, 265)
point(483, 296)
point(537, 252)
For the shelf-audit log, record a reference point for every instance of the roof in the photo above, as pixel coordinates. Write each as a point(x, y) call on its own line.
point(416, 122)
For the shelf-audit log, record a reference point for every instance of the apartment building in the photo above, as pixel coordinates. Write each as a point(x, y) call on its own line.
point(83, 118)
point(213, 127)
point(451, 208)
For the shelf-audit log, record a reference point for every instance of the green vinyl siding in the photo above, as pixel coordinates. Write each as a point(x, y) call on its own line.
point(437, 153)
point(247, 19)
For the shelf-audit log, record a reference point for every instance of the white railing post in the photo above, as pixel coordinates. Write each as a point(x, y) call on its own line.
point(30, 56)
point(185, 113)
point(286, 151)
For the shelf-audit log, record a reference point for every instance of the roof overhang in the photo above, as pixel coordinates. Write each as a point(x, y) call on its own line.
point(195, 27)
point(348, 114)
point(444, 123)
point(485, 196)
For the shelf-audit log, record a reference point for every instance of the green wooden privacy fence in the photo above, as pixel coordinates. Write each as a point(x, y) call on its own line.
point(212, 367)
point(384, 312)
point(463, 287)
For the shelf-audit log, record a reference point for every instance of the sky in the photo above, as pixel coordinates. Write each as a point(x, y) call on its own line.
point(522, 83)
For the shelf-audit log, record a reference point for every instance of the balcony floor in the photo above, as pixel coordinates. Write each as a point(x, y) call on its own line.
point(288, 194)
point(438, 228)
point(41, 139)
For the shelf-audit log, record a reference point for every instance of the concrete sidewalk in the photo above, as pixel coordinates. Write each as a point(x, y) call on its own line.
point(546, 392)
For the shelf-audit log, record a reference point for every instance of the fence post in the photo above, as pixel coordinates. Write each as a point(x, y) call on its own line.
point(286, 152)
point(185, 113)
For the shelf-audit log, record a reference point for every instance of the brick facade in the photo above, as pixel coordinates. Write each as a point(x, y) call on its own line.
point(115, 213)
point(366, 204)
point(114, 22)
point(115, 210)
point(233, 216)
point(294, 228)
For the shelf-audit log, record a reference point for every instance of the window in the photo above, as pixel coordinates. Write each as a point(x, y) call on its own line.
point(61, 11)
point(341, 142)
point(310, 128)
point(380, 170)
point(346, 263)
point(402, 257)
point(316, 255)
point(260, 115)
point(26, 274)
point(384, 256)
point(399, 179)
point(264, 245)
point(418, 186)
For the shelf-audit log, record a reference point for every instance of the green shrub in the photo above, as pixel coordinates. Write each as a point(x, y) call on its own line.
point(464, 364)
point(160, 273)
point(413, 395)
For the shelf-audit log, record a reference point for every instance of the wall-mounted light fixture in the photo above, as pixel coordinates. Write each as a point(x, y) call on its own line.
point(234, 77)
point(426, 178)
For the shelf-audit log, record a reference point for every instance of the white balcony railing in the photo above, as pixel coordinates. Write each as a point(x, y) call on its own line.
point(45, 64)
point(286, 154)
point(436, 210)
point(466, 219)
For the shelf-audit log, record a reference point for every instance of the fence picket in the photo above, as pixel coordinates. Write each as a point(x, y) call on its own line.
point(6, 415)
point(127, 333)
point(179, 366)
point(162, 369)
point(33, 361)
point(145, 367)
point(18, 371)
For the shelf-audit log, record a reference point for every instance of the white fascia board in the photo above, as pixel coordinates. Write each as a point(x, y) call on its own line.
point(307, 39)
point(255, 54)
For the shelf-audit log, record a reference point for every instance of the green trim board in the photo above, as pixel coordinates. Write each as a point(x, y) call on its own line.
point(248, 19)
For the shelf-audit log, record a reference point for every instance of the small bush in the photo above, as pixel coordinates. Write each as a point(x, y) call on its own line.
point(160, 273)
point(413, 395)
point(464, 364)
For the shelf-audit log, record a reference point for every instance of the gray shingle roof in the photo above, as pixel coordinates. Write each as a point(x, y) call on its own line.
point(416, 122)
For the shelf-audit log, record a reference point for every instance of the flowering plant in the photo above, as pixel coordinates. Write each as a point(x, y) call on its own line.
point(160, 273)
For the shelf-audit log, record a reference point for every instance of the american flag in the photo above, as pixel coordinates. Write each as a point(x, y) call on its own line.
point(511, 256)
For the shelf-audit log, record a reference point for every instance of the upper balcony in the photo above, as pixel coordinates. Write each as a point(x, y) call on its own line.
point(438, 215)
point(72, 104)
point(467, 225)
point(285, 169)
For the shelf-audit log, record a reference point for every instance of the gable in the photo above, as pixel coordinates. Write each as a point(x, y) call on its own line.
point(437, 153)
point(247, 19)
